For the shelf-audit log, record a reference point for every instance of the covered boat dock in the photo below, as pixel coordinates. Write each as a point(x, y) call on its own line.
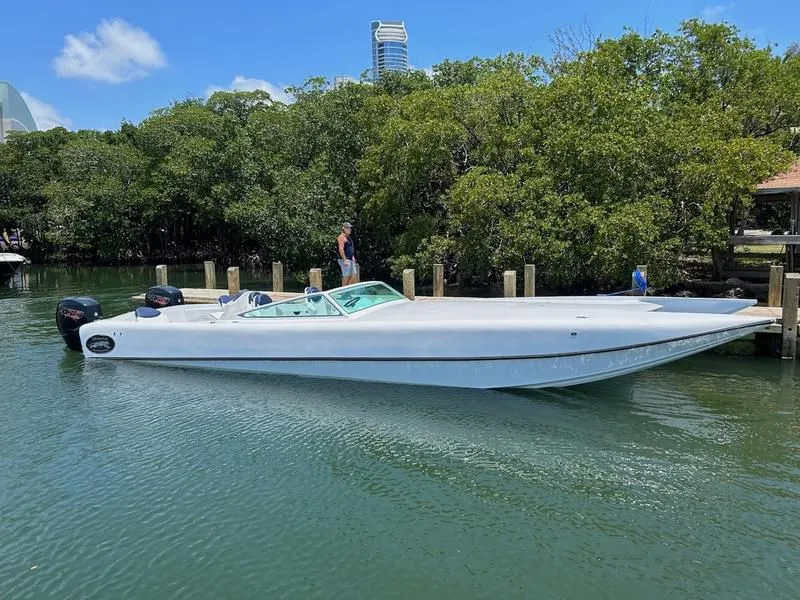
point(775, 192)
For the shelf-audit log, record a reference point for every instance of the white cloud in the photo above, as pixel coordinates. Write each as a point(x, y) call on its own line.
point(428, 70)
point(241, 83)
point(115, 53)
point(45, 115)
point(715, 11)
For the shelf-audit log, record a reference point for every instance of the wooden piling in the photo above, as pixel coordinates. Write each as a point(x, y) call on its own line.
point(530, 281)
point(775, 285)
point(211, 274)
point(356, 273)
point(438, 280)
point(315, 278)
point(161, 275)
point(409, 290)
point(791, 290)
point(510, 284)
point(277, 276)
point(233, 280)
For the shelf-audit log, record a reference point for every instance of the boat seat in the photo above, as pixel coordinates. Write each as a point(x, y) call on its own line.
point(244, 301)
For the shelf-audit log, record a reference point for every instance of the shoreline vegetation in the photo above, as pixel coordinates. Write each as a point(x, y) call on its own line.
point(632, 151)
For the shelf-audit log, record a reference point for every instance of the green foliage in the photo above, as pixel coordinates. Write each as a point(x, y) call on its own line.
point(634, 150)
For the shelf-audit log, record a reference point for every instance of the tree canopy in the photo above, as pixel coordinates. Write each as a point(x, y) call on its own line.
point(634, 150)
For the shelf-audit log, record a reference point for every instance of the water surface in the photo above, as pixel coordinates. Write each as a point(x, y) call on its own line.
point(133, 481)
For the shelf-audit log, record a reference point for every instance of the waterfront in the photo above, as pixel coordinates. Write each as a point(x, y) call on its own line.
point(140, 482)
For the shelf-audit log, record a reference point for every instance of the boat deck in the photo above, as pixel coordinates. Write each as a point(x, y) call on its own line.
point(209, 296)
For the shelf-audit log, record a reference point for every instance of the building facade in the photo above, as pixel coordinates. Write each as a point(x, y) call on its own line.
point(14, 113)
point(341, 80)
point(389, 47)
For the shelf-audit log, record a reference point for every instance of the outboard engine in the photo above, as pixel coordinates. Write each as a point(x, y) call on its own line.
point(71, 314)
point(162, 296)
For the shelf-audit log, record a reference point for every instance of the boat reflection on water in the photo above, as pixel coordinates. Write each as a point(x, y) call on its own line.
point(698, 389)
point(657, 438)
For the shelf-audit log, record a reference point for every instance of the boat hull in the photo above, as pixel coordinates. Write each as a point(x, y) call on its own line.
point(487, 372)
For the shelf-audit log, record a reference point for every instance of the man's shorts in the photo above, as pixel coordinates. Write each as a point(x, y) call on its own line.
point(348, 269)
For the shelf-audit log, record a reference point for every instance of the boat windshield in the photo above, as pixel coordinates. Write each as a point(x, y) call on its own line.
point(314, 305)
point(364, 296)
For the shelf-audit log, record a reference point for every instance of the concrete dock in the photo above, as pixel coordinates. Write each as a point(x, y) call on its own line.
point(206, 296)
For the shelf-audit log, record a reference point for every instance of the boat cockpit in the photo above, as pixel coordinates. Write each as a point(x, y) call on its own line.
point(339, 302)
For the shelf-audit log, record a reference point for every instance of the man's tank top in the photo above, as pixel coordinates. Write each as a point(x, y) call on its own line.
point(349, 249)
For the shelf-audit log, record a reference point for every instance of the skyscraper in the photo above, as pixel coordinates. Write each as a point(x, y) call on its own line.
point(341, 80)
point(389, 47)
point(14, 113)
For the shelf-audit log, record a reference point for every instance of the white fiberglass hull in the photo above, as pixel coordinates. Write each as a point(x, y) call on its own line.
point(533, 372)
point(429, 343)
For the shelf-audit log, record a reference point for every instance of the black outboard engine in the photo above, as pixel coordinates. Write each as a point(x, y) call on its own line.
point(71, 314)
point(162, 296)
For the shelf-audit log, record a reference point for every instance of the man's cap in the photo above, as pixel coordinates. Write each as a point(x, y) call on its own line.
point(346, 225)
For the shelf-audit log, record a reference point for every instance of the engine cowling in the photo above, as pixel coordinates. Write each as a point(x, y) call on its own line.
point(162, 296)
point(72, 314)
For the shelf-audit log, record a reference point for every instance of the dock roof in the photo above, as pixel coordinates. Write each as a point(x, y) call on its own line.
point(782, 183)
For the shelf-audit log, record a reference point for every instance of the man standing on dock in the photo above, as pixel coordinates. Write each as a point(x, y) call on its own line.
point(347, 254)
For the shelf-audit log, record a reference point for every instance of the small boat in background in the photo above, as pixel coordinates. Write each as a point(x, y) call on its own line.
point(10, 263)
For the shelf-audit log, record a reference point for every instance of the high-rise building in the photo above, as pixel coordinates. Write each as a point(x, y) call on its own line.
point(341, 80)
point(14, 113)
point(389, 47)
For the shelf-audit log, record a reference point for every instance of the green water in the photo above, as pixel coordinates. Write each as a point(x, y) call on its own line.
point(128, 481)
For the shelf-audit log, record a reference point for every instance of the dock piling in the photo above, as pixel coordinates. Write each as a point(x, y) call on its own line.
point(510, 284)
point(438, 280)
point(315, 278)
point(530, 281)
point(161, 275)
point(775, 285)
point(277, 276)
point(233, 280)
point(791, 288)
point(408, 284)
point(211, 274)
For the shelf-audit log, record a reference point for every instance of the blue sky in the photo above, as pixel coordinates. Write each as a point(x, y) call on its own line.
point(90, 64)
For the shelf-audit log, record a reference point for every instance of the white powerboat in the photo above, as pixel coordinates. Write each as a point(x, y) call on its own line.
point(370, 332)
point(10, 263)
